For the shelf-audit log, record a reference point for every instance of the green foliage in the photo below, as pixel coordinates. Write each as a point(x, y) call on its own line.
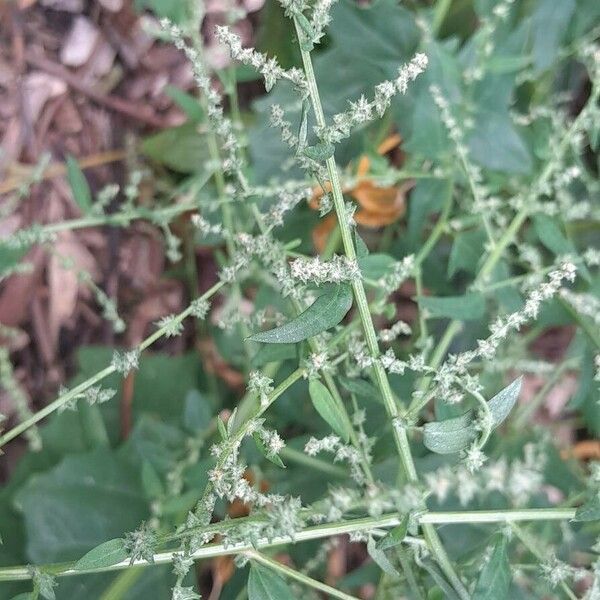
point(264, 584)
point(329, 409)
point(497, 171)
point(454, 435)
point(79, 185)
point(465, 308)
point(324, 313)
point(106, 554)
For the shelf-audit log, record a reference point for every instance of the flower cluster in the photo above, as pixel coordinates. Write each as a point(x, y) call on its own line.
point(399, 273)
point(261, 385)
point(397, 329)
point(269, 68)
point(314, 270)
point(342, 453)
point(206, 228)
point(363, 110)
point(124, 362)
point(171, 324)
point(16, 392)
point(518, 481)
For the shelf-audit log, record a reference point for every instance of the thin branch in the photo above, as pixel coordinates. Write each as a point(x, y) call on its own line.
point(21, 573)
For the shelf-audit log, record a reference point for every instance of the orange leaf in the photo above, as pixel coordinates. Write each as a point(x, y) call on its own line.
point(322, 230)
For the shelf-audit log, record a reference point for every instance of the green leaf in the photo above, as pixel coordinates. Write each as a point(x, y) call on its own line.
point(590, 511)
point(380, 558)
point(361, 388)
point(466, 251)
point(395, 536)
point(324, 313)
point(375, 266)
point(451, 435)
point(361, 248)
point(79, 185)
point(549, 25)
point(182, 148)
point(319, 152)
point(496, 144)
point(502, 403)
point(190, 105)
point(329, 409)
point(551, 235)
point(83, 501)
point(464, 308)
point(197, 412)
point(494, 580)
point(264, 584)
point(106, 554)
point(153, 486)
point(268, 354)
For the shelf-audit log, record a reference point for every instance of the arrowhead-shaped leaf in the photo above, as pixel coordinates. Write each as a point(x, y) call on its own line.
point(324, 313)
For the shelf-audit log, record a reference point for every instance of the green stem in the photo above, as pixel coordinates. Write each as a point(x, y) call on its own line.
point(23, 573)
point(534, 548)
point(88, 383)
point(400, 436)
point(301, 577)
point(506, 239)
point(298, 457)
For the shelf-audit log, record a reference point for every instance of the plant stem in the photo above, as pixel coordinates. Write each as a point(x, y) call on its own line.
point(508, 237)
point(301, 577)
point(22, 573)
point(399, 433)
point(533, 547)
point(88, 383)
point(298, 457)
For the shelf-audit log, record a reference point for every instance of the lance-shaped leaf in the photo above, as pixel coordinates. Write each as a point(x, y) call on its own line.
point(330, 409)
point(79, 185)
point(494, 580)
point(502, 403)
point(105, 555)
point(454, 435)
point(324, 313)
